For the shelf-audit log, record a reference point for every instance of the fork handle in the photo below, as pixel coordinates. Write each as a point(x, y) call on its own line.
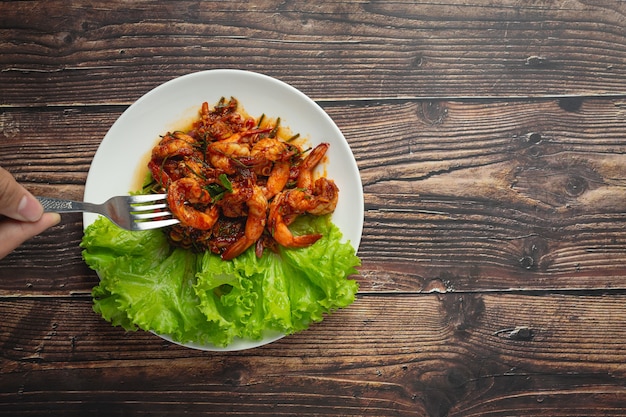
point(56, 205)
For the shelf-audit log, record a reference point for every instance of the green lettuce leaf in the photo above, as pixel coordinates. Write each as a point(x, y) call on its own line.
point(146, 284)
point(318, 274)
point(149, 284)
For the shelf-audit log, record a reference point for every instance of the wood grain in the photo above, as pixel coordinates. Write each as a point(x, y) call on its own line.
point(461, 196)
point(417, 355)
point(90, 53)
point(490, 141)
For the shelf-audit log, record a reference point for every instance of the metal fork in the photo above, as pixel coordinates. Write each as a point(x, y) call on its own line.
point(133, 212)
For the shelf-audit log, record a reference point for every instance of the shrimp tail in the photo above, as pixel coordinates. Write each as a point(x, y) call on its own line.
point(280, 216)
point(284, 237)
point(237, 248)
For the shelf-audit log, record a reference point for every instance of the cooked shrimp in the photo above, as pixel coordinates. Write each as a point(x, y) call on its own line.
point(320, 200)
point(182, 195)
point(234, 183)
point(305, 176)
point(224, 155)
point(183, 136)
point(159, 173)
point(174, 144)
point(297, 201)
point(277, 180)
point(325, 196)
point(272, 157)
point(233, 203)
point(195, 168)
point(221, 121)
point(278, 226)
point(169, 170)
point(255, 224)
point(272, 150)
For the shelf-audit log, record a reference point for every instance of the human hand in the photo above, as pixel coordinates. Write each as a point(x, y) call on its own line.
point(21, 215)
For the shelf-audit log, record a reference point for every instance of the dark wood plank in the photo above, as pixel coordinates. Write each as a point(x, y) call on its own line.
point(91, 52)
point(460, 196)
point(49, 150)
point(422, 355)
point(467, 196)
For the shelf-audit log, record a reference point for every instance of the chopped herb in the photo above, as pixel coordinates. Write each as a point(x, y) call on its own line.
point(149, 186)
point(226, 182)
point(274, 131)
point(216, 191)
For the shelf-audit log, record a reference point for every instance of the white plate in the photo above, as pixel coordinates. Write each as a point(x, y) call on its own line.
point(117, 165)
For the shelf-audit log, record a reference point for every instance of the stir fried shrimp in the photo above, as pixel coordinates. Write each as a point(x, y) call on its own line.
point(182, 194)
point(226, 155)
point(174, 144)
point(255, 224)
point(305, 174)
point(237, 182)
point(281, 214)
point(273, 159)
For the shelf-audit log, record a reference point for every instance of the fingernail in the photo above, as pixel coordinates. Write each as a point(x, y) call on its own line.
point(29, 208)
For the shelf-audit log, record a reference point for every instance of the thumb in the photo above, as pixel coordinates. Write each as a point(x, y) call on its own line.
point(15, 201)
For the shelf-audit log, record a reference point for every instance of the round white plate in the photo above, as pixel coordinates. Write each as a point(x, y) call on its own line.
point(120, 160)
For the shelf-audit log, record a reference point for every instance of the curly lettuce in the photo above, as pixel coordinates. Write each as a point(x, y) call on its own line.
point(146, 284)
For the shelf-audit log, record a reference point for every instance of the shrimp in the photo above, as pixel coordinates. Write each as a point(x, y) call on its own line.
point(182, 195)
point(169, 170)
point(305, 176)
point(277, 180)
point(233, 203)
point(271, 150)
point(175, 144)
point(224, 155)
point(320, 200)
point(255, 224)
point(160, 172)
point(245, 136)
point(317, 198)
point(297, 201)
point(325, 196)
point(221, 121)
point(273, 155)
point(280, 215)
point(235, 183)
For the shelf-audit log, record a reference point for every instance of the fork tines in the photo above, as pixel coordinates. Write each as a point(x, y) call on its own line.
point(147, 212)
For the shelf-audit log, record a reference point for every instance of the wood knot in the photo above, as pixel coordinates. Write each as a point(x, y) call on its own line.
point(575, 186)
point(462, 311)
point(536, 61)
point(527, 262)
point(433, 112)
point(436, 285)
point(533, 144)
point(530, 253)
point(554, 184)
point(457, 378)
point(534, 138)
point(521, 333)
point(444, 386)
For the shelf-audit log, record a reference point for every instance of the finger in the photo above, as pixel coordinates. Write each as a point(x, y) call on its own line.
point(13, 232)
point(15, 201)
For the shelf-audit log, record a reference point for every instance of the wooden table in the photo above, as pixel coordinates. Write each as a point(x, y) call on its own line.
point(491, 141)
